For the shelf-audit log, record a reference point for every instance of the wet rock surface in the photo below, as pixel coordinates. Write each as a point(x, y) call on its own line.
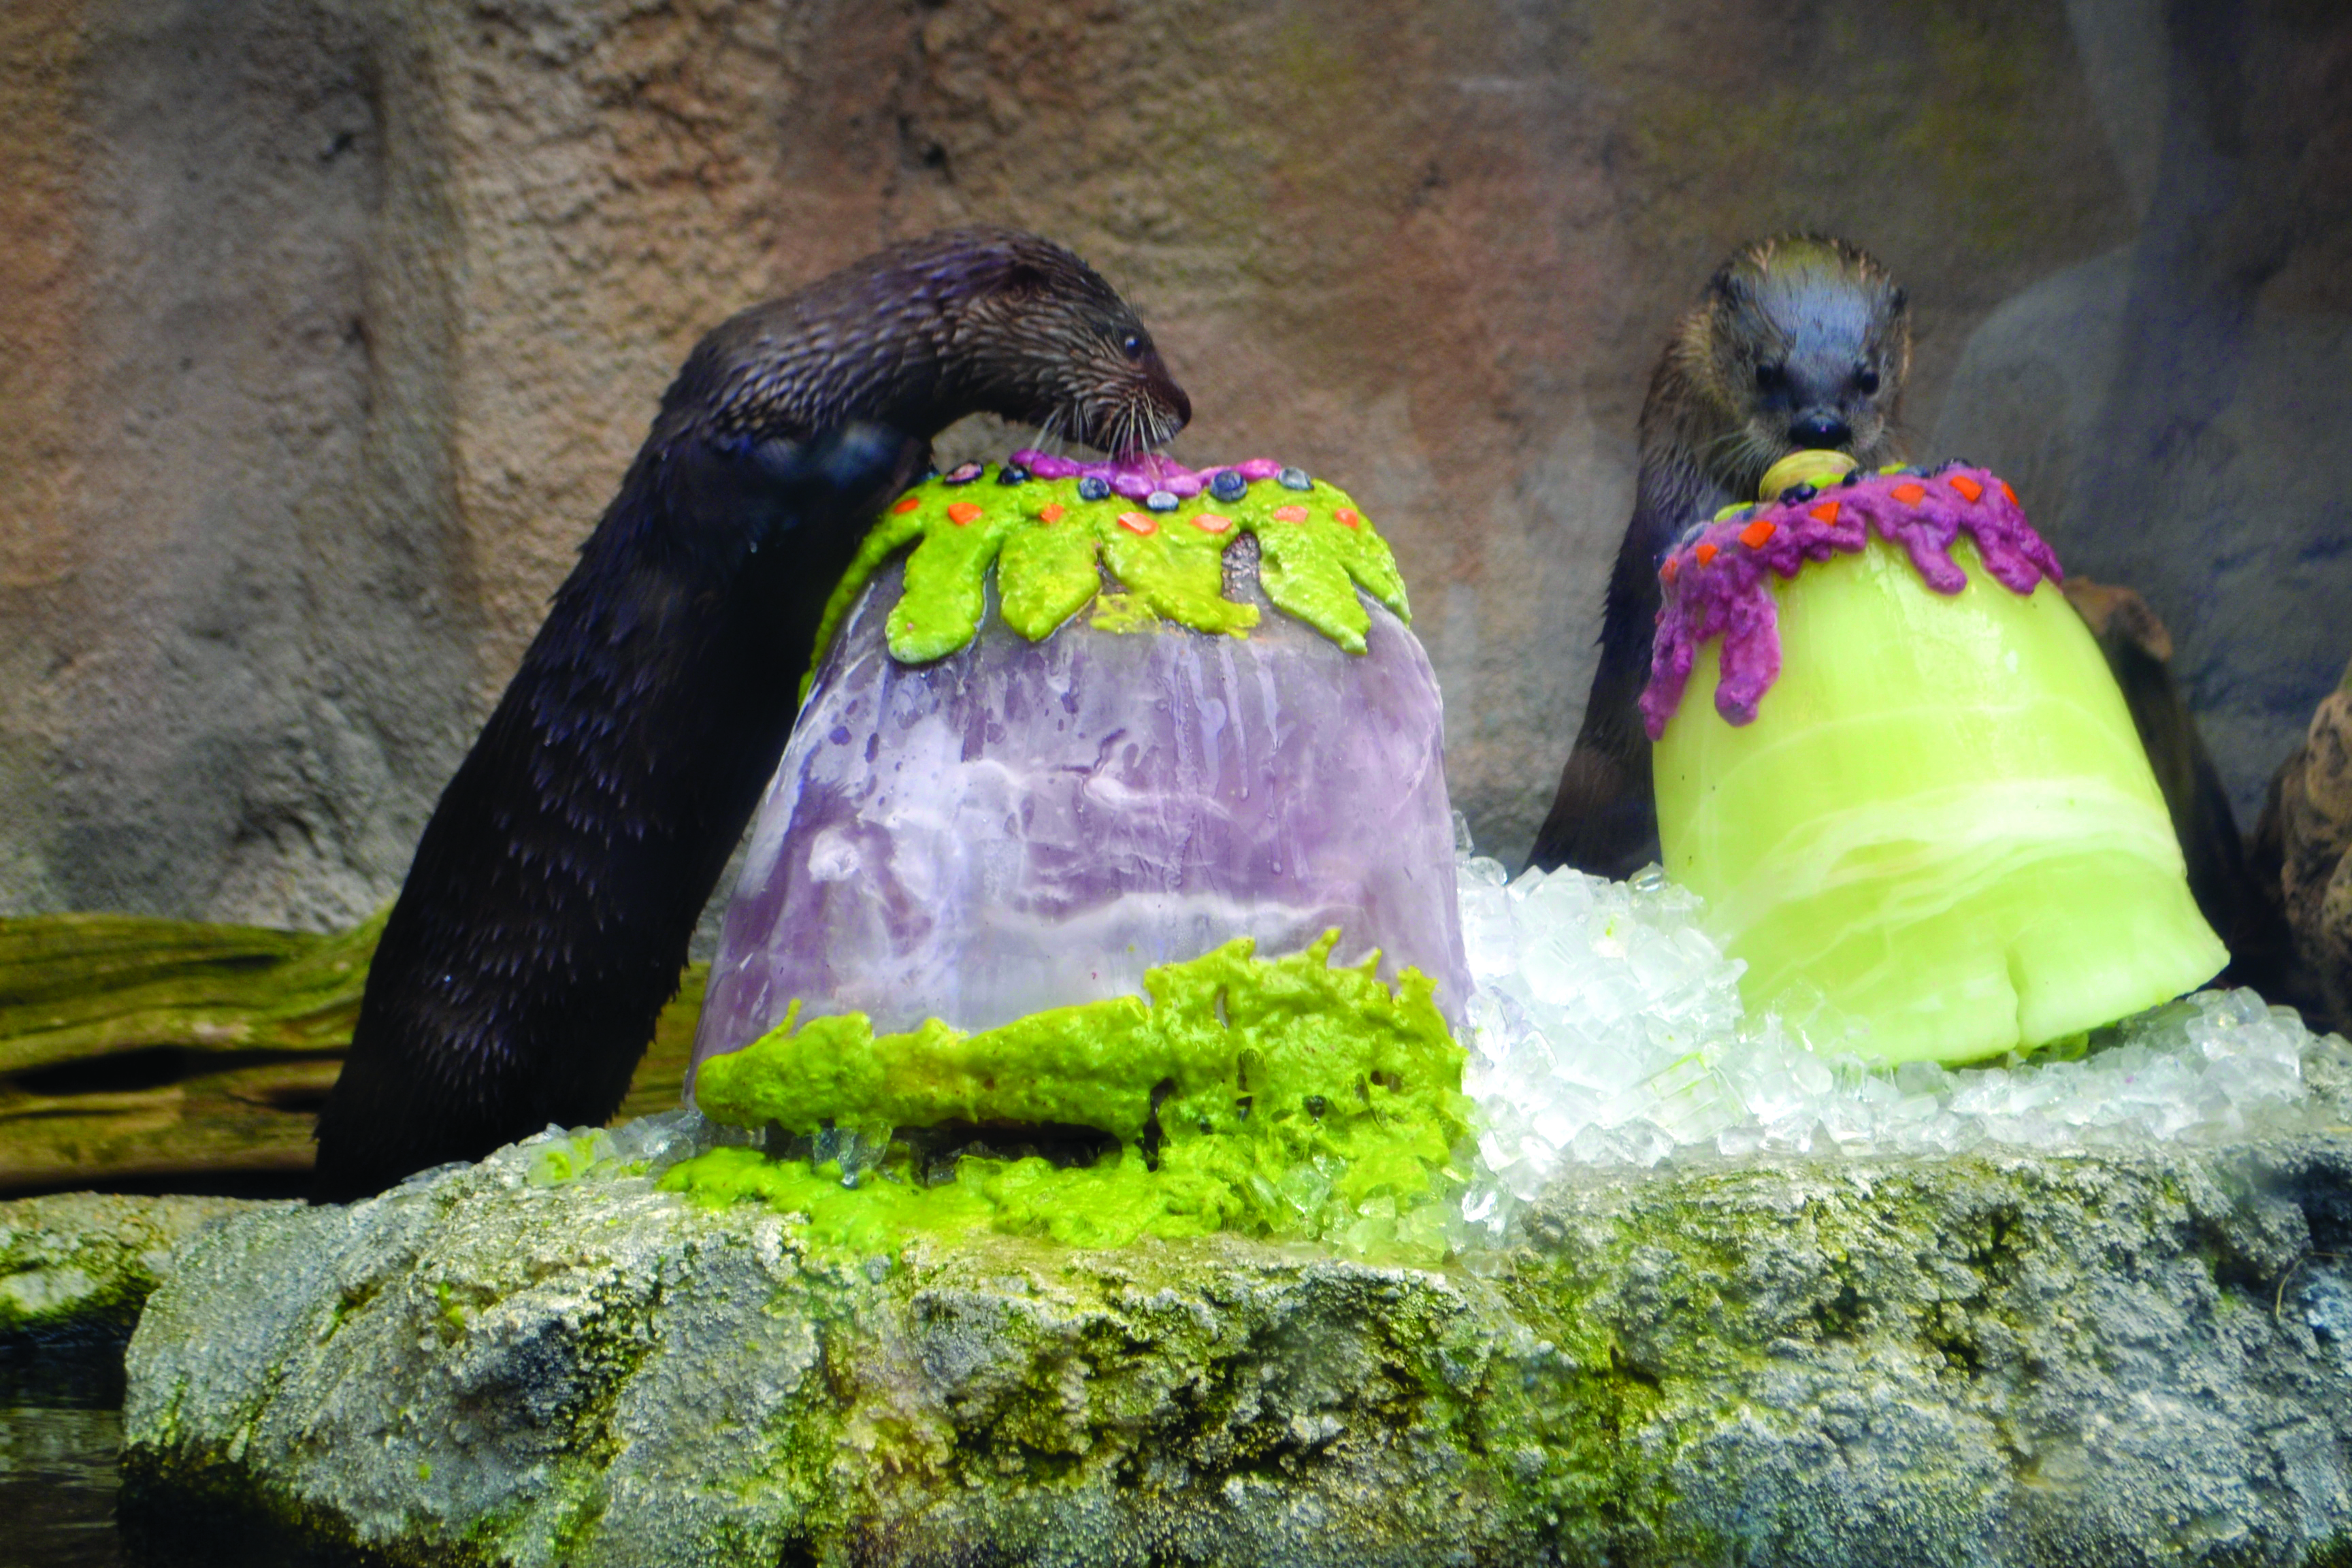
point(76, 1267)
point(2118, 1358)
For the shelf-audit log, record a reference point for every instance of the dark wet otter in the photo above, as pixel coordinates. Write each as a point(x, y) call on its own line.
point(1802, 341)
point(546, 916)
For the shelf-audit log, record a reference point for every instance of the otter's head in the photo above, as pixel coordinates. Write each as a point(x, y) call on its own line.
point(1036, 337)
point(913, 338)
point(1806, 344)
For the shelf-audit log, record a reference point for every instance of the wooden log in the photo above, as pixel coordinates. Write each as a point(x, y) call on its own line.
point(147, 1052)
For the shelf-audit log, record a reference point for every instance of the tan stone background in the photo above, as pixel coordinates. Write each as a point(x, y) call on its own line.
point(328, 326)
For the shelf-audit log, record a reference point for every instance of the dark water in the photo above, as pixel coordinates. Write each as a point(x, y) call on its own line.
point(60, 1431)
point(61, 1485)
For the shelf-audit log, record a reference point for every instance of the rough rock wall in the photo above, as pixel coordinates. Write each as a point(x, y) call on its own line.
point(2304, 842)
point(327, 328)
point(231, 620)
point(2174, 412)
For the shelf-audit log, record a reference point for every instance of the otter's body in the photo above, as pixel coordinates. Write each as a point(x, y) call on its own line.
point(1798, 342)
point(546, 916)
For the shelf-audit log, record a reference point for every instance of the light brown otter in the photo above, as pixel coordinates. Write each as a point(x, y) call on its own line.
point(1798, 342)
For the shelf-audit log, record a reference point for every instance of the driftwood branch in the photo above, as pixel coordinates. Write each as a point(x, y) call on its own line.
point(155, 1052)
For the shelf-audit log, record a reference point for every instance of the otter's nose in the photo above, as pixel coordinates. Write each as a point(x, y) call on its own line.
point(1818, 428)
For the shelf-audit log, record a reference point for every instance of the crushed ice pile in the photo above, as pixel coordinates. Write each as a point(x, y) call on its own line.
point(1607, 1029)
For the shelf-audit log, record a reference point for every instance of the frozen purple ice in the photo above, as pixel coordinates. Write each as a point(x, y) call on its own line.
point(1024, 825)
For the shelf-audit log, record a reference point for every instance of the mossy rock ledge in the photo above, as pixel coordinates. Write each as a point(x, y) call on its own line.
point(76, 1267)
point(2118, 1358)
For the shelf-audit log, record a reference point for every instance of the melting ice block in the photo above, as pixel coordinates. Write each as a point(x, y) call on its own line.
point(1022, 825)
point(1904, 775)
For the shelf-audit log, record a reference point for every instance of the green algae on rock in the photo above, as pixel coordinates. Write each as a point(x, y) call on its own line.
point(1282, 1097)
point(1050, 546)
point(2022, 1361)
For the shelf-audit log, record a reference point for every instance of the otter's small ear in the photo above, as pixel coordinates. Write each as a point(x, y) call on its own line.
point(1023, 279)
point(1732, 287)
point(1898, 301)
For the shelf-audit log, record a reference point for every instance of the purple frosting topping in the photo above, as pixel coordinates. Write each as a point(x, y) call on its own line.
point(1136, 476)
point(1715, 582)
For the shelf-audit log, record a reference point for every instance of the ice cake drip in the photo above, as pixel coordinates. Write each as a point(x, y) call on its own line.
point(1716, 581)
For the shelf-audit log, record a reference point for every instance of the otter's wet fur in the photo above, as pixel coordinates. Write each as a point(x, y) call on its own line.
point(1798, 341)
point(545, 918)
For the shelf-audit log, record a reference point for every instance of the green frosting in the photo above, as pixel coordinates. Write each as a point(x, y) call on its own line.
point(1169, 562)
point(1281, 1097)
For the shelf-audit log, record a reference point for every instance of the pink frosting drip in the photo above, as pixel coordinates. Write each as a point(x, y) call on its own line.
point(1727, 595)
point(1136, 476)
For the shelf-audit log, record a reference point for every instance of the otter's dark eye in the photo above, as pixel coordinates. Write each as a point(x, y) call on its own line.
point(1132, 345)
point(1771, 377)
point(1865, 380)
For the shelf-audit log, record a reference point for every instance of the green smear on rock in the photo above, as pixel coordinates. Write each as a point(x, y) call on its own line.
point(1277, 1098)
point(1050, 568)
